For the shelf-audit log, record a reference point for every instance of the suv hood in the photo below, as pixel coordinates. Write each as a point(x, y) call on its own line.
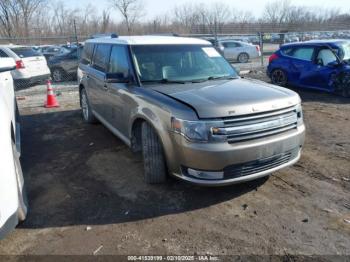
point(223, 98)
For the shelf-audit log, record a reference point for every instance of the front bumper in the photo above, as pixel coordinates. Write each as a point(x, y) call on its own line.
point(222, 156)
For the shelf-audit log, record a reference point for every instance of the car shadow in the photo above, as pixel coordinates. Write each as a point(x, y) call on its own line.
point(310, 95)
point(80, 174)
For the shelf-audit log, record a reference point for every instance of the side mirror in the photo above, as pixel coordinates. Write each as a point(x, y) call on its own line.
point(334, 64)
point(117, 78)
point(7, 64)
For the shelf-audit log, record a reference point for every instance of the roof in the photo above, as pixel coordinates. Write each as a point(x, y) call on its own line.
point(318, 42)
point(150, 40)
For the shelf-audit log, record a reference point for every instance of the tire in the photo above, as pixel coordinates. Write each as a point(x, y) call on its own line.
point(86, 108)
point(22, 193)
point(57, 75)
point(243, 58)
point(155, 171)
point(279, 77)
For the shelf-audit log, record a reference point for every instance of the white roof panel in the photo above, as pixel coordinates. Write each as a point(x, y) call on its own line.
point(150, 40)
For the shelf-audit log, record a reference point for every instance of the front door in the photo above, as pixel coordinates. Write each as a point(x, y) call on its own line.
point(117, 100)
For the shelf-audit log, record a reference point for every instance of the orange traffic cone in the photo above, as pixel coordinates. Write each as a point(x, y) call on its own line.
point(51, 100)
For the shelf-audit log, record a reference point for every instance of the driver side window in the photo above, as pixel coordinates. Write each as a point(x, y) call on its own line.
point(325, 57)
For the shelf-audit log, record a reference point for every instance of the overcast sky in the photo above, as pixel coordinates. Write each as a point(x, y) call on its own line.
point(158, 7)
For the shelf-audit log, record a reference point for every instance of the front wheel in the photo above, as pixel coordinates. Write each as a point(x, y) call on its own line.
point(155, 170)
point(86, 108)
point(279, 77)
point(243, 58)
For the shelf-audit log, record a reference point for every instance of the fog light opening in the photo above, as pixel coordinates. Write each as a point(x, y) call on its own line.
point(205, 174)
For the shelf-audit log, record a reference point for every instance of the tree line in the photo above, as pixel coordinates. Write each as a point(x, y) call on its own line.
point(38, 18)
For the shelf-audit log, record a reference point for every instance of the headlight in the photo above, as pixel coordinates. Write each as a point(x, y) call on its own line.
point(193, 130)
point(197, 131)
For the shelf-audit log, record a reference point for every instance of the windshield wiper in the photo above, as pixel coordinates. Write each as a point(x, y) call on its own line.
point(213, 78)
point(164, 81)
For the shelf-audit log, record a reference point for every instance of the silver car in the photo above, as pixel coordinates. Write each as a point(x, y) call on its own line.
point(238, 51)
point(181, 104)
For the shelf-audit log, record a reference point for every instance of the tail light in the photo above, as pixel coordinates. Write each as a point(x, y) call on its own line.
point(19, 64)
point(273, 57)
point(257, 48)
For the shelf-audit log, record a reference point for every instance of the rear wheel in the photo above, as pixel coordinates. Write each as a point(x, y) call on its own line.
point(22, 194)
point(243, 58)
point(279, 77)
point(86, 108)
point(153, 156)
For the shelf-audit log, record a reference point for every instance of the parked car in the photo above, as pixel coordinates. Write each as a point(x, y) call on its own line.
point(50, 51)
point(181, 104)
point(322, 65)
point(238, 51)
point(64, 66)
point(31, 67)
point(13, 201)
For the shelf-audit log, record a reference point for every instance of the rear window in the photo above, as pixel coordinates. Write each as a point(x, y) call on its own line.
point(25, 52)
point(3, 54)
point(87, 54)
point(101, 57)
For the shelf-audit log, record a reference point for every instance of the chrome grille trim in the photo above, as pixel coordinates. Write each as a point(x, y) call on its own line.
point(258, 125)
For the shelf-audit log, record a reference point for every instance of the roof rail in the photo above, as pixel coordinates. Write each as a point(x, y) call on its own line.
point(108, 35)
point(166, 34)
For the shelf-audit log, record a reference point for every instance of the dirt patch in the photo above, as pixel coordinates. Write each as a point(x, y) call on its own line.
point(80, 175)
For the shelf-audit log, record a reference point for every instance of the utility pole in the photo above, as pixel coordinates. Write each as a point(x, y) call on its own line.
point(75, 32)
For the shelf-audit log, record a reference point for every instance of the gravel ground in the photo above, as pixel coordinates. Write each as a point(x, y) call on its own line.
point(87, 195)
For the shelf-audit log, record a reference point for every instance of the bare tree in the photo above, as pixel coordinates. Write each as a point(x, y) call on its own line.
point(131, 10)
point(9, 17)
point(28, 8)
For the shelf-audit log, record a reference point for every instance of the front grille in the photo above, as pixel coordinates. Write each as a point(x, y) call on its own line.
point(239, 129)
point(261, 165)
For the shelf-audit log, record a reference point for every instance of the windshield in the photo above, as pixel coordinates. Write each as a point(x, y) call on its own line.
point(180, 63)
point(344, 52)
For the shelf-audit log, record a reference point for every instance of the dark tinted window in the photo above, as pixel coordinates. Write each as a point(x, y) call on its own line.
point(231, 44)
point(3, 54)
point(87, 54)
point(24, 52)
point(119, 62)
point(101, 57)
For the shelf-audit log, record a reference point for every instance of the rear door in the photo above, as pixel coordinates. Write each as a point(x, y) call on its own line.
point(231, 50)
point(97, 87)
point(301, 64)
point(34, 63)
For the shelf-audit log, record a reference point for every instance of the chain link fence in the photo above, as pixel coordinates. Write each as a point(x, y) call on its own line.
point(41, 58)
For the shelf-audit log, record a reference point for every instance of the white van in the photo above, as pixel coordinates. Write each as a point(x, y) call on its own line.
point(31, 66)
point(13, 201)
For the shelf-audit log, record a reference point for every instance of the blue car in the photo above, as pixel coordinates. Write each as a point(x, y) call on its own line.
point(322, 65)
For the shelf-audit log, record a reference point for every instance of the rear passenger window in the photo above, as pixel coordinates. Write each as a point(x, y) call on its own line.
point(101, 57)
point(119, 62)
point(304, 53)
point(3, 54)
point(87, 54)
point(231, 45)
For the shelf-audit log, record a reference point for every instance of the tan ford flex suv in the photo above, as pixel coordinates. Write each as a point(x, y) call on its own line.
point(181, 104)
